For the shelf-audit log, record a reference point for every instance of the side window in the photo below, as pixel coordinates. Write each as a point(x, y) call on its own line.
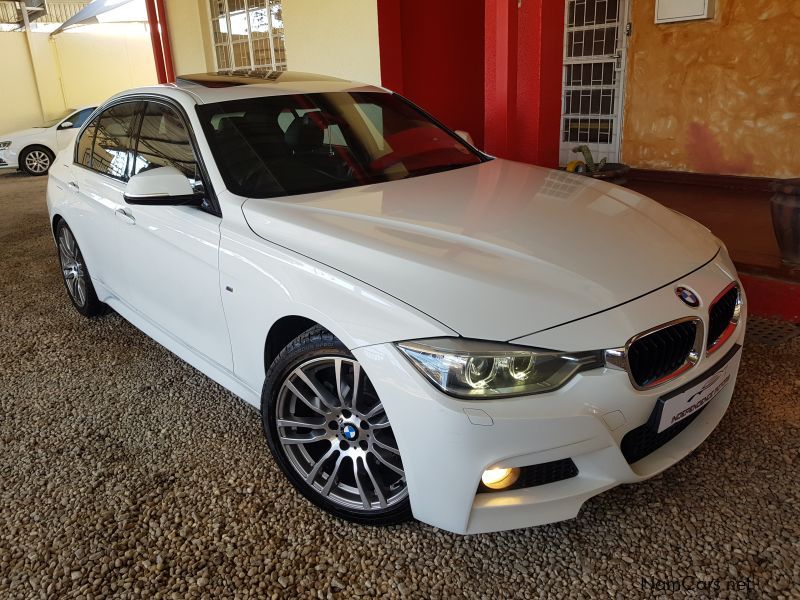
point(164, 141)
point(112, 146)
point(85, 143)
point(79, 117)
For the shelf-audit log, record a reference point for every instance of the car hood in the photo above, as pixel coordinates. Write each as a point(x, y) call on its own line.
point(14, 135)
point(496, 250)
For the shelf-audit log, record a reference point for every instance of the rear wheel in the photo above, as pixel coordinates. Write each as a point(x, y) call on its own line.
point(76, 275)
point(36, 160)
point(330, 434)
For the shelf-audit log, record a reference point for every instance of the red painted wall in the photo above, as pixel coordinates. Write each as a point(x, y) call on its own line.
point(491, 67)
point(539, 79)
point(500, 77)
point(432, 53)
point(523, 50)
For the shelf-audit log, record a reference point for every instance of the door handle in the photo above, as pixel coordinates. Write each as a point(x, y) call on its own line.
point(126, 216)
point(74, 187)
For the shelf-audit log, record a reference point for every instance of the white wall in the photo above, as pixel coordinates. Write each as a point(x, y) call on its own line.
point(190, 36)
point(72, 70)
point(338, 38)
point(95, 66)
point(19, 101)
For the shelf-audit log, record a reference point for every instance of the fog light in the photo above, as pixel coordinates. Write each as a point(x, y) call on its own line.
point(499, 479)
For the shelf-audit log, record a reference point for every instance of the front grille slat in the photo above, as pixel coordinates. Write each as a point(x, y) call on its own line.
point(721, 315)
point(660, 353)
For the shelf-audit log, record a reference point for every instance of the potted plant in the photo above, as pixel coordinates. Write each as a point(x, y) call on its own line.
point(612, 172)
point(786, 218)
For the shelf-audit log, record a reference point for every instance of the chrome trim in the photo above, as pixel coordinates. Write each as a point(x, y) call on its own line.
point(734, 322)
point(617, 358)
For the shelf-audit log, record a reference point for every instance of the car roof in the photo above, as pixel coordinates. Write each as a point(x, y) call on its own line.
point(205, 88)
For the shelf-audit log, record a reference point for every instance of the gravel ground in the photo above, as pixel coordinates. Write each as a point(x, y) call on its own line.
point(126, 473)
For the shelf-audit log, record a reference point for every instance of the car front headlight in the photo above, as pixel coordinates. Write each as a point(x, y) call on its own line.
point(477, 370)
point(4, 145)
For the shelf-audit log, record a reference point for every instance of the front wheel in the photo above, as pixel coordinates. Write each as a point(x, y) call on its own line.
point(36, 160)
point(329, 432)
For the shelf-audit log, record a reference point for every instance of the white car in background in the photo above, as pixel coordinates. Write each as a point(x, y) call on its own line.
point(426, 330)
point(33, 150)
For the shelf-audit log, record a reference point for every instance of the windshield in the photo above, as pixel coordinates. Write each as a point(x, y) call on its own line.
point(297, 144)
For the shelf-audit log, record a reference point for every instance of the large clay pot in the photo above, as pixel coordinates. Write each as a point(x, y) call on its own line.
point(786, 218)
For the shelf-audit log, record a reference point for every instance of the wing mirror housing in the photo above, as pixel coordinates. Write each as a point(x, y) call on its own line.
point(162, 186)
point(464, 135)
point(66, 125)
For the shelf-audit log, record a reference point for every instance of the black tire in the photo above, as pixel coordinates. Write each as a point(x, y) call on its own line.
point(36, 160)
point(70, 259)
point(315, 346)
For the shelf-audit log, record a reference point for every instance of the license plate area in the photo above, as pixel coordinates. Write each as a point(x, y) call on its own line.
point(691, 398)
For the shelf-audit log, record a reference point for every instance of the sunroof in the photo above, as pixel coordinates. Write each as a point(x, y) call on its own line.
point(251, 77)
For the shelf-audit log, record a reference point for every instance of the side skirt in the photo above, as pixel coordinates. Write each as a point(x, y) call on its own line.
point(199, 361)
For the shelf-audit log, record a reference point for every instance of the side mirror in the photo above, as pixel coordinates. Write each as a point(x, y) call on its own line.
point(66, 125)
point(162, 186)
point(464, 135)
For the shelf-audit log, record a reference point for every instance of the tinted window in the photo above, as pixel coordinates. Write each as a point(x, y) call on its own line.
point(77, 119)
point(302, 143)
point(85, 143)
point(164, 141)
point(112, 146)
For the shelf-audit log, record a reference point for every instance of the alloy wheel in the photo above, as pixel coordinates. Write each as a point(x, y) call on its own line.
point(335, 433)
point(37, 161)
point(72, 266)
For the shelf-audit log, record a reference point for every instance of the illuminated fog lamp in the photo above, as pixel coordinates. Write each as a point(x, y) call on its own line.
point(500, 479)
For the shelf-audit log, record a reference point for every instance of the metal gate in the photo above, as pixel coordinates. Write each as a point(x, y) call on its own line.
point(595, 40)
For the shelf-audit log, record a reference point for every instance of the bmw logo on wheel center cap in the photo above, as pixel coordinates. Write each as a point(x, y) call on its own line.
point(349, 432)
point(687, 296)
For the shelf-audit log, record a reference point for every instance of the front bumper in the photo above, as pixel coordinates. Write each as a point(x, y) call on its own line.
point(447, 443)
point(8, 158)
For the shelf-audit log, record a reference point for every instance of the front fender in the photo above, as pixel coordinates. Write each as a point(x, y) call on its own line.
point(21, 143)
point(261, 282)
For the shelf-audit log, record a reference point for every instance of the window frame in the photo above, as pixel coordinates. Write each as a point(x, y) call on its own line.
point(86, 124)
point(186, 126)
point(214, 205)
point(100, 111)
point(274, 64)
point(482, 156)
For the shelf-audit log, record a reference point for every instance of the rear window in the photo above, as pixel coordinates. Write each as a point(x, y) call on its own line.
point(303, 143)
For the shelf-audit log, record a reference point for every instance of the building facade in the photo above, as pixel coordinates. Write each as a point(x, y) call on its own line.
point(532, 79)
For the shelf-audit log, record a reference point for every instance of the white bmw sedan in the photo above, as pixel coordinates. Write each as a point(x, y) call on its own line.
point(426, 330)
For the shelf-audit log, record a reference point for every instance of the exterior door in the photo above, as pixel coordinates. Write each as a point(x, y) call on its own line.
point(161, 261)
point(169, 270)
point(97, 182)
point(595, 41)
